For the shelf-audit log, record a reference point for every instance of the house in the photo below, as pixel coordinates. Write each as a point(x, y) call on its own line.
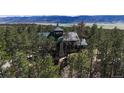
point(67, 42)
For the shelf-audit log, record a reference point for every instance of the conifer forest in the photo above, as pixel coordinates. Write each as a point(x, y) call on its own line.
point(28, 51)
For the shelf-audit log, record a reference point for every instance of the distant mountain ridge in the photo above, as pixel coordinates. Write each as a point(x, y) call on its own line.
point(63, 19)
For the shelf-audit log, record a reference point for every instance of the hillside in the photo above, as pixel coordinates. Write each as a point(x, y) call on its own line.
point(62, 19)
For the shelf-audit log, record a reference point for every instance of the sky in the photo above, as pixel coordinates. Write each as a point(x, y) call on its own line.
point(61, 7)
